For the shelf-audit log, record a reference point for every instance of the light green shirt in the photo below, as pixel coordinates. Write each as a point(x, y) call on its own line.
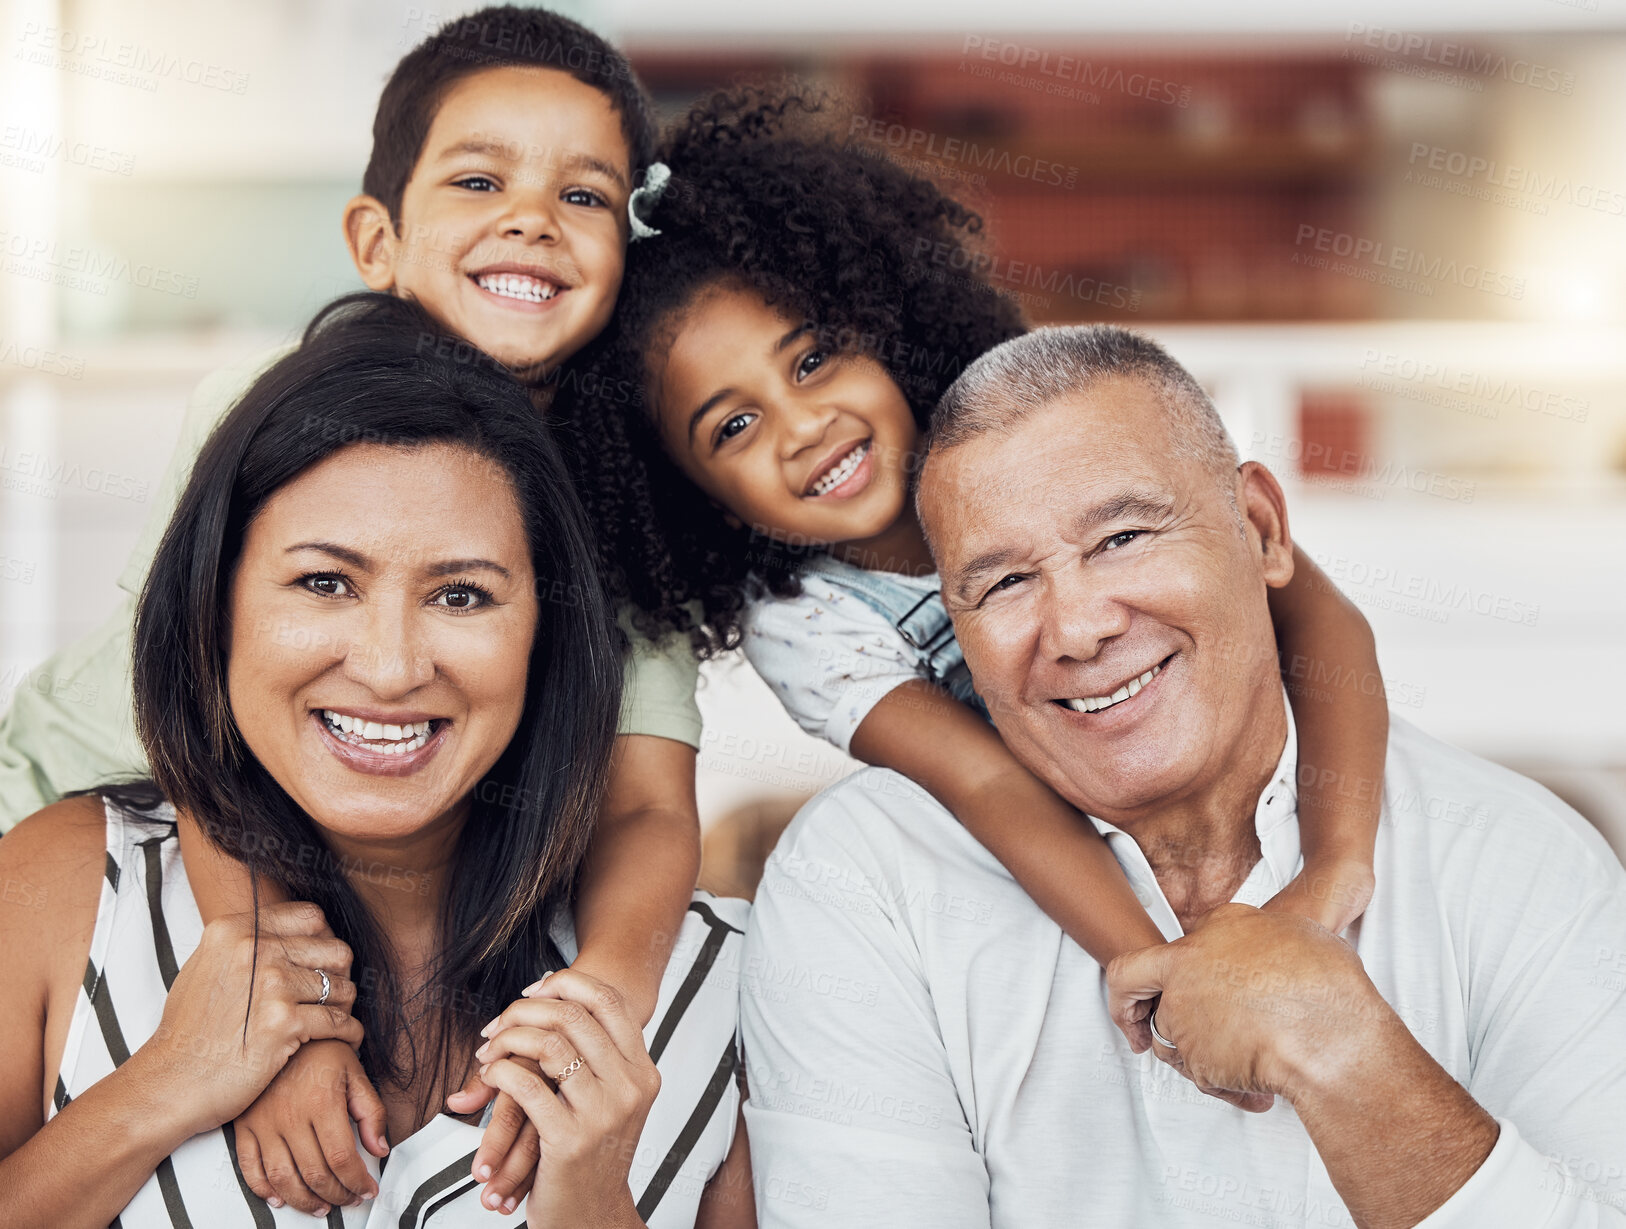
point(71, 724)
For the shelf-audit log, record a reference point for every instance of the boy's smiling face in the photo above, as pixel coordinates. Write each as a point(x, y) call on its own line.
point(513, 225)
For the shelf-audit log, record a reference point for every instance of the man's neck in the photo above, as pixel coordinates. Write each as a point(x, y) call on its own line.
point(1202, 846)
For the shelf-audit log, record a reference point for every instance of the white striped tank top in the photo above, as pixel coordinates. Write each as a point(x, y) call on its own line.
point(147, 924)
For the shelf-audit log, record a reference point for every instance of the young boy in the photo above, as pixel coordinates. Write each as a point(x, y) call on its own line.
point(504, 150)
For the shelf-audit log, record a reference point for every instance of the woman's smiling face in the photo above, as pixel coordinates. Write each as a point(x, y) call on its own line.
point(791, 439)
point(382, 612)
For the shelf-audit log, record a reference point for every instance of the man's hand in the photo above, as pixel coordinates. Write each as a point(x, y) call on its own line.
point(1251, 1000)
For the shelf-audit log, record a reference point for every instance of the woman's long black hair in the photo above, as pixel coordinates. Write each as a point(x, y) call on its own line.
point(766, 192)
point(377, 369)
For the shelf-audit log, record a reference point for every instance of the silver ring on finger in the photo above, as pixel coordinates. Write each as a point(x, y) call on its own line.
point(1151, 1023)
point(327, 989)
point(576, 1064)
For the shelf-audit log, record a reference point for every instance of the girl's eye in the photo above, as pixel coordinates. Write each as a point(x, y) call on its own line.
point(733, 426)
point(327, 584)
point(583, 196)
point(476, 183)
point(463, 596)
point(1121, 539)
point(809, 363)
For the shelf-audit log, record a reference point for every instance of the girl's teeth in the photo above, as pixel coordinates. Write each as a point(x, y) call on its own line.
point(843, 471)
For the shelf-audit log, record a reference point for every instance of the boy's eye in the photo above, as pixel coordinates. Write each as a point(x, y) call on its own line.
point(583, 196)
point(733, 425)
point(476, 183)
point(462, 596)
point(809, 363)
point(327, 584)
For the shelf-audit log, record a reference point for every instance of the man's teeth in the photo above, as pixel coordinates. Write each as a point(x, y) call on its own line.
point(517, 286)
point(377, 736)
point(1094, 704)
point(842, 471)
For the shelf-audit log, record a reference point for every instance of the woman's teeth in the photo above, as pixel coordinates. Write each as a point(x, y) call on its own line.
point(842, 472)
point(375, 736)
point(1094, 704)
point(517, 286)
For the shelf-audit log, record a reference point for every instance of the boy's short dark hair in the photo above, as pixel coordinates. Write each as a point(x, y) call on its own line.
point(501, 36)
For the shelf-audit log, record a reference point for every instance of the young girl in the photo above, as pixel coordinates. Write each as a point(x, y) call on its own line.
point(790, 327)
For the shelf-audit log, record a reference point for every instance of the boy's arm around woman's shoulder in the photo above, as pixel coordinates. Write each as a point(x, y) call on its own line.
point(69, 725)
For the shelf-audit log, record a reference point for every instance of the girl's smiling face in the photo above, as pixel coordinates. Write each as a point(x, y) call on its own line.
point(798, 442)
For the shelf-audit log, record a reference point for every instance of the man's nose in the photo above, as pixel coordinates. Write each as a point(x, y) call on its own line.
point(1077, 616)
point(390, 658)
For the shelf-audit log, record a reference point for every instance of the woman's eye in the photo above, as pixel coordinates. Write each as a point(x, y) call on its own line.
point(733, 426)
point(809, 363)
point(476, 183)
point(462, 597)
point(583, 196)
point(327, 584)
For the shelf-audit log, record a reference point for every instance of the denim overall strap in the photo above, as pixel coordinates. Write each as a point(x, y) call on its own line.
point(921, 620)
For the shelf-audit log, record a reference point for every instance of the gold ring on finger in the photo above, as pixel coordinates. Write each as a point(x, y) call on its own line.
point(576, 1064)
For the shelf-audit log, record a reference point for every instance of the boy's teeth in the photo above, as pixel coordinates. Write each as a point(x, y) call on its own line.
point(517, 286)
point(843, 471)
point(1094, 704)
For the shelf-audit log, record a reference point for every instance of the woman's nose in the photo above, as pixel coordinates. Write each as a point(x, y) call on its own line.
point(389, 658)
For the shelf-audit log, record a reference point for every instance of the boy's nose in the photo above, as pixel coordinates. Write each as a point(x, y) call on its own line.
point(530, 220)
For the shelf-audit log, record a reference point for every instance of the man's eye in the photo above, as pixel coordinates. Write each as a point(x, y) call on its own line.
point(327, 584)
point(809, 363)
point(476, 183)
point(1121, 539)
point(1008, 582)
point(583, 196)
point(733, 426)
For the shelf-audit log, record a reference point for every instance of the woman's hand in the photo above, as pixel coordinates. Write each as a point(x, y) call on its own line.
point(589, 1120)
point(294, 1143)
point(203, 1054)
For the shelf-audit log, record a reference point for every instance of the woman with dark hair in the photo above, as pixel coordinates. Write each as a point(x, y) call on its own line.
point(374, 656)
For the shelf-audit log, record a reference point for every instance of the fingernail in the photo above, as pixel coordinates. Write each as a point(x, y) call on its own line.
point(490, 1028)
point(320, 1212)
point(484, 1067)
point(536, 985)
point(492, 1201)
point(274, 1202)
point(482, 1171)
point(508, 1205)
point(483, 1053)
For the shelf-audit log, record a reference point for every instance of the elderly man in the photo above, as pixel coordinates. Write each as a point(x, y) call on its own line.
point(925, 1047)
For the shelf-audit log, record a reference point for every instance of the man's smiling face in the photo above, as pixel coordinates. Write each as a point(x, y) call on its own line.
point(1108, 595)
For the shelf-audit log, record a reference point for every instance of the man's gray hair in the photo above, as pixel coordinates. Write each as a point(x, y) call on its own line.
point(1030, 372)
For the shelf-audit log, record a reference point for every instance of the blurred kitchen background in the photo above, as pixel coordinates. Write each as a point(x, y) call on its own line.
point(1390, 237)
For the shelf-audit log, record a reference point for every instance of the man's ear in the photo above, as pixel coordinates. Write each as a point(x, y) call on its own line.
point(369, 233)
point(1264, 506)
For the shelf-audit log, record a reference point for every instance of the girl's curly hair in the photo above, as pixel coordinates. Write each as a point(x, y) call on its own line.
point(765, 193)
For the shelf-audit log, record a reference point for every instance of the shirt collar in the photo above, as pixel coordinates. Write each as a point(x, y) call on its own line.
point(1275, 820)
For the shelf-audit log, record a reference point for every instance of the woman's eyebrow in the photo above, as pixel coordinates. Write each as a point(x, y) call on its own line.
point(449, 566)
point(342, 553)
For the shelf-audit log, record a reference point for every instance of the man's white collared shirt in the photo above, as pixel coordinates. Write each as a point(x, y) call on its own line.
point(925, 1047)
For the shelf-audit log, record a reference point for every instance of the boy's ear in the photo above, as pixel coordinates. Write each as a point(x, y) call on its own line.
point(1264, 508)
point(370, 235)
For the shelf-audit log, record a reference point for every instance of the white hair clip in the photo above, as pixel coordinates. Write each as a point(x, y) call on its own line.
point(644, 197)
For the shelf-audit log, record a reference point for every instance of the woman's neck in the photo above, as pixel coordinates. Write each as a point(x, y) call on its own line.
point(900, 547)
point(402, 881)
